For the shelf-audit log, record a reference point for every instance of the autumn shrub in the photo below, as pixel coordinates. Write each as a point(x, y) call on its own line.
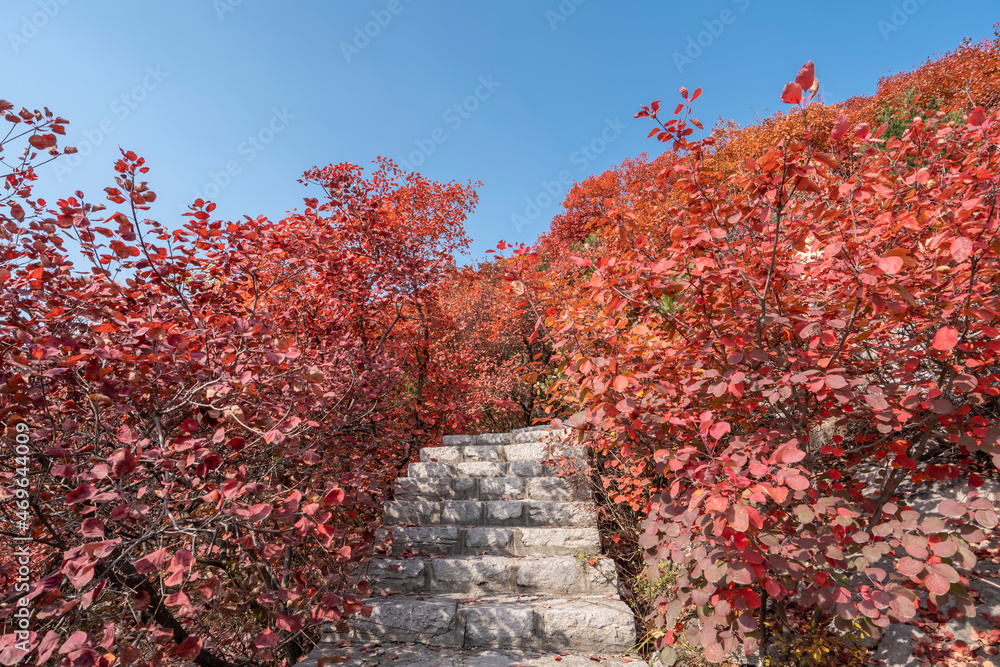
point(804, 294)
point(200, 423)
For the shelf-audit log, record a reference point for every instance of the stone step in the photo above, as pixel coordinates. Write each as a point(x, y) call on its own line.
point(528, 513)
point(490, 488)
point(457, 541)
point(482, 469)
point(528, 451)
point(402, 654)
point(486, 575)
point(540, 622)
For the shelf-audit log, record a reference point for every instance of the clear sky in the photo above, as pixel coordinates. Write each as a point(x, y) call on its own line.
point(233, 99)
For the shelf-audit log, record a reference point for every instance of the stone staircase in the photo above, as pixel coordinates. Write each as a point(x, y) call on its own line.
point(495, 561)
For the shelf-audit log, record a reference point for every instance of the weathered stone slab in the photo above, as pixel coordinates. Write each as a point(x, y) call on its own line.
point(505, 512)
point(441, 454)
point(493, 439)
point(499, 626)
point(475, 575)
point(558, 541)
point(415, 488)
point(412, 512)
point(481, 469)
point(432, 539)
point(406, 619)
point(432, 470)
point(491, 453)
point(555, 488)
point(457, 440)
point(398, 575)
point(560, 514)
point(392, 654)
point(588, 625)
point(502, 488)
point(462, 512)
point(495, 540)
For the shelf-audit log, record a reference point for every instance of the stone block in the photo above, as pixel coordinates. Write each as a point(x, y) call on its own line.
point(558, 541)
point(560, 514)
point(431, 539)
point(412, 512)
point(555, 488)
point(462, 512)
point(494, 439)
point(505, 513)
point(597, 624)
point(457, 440)
point(502, 488)
point(480, 469)
point(441, 454)
point(481, 453)
point(473, 575)
point(499, 626)
point(494, 540)
point(397, 575)
point(406, 619)
point(431, 470)
point(416, 488)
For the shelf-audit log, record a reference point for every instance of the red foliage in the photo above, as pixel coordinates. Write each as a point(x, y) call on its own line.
point(794, 297)
point(211, 416)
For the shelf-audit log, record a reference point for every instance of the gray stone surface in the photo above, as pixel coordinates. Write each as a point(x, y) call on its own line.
point(482, 453)
point(400, 655)
point(556, 488)
point(503, 488)
point(410, 619)
point(492, 555)
point(441, 454)
point(481, 469)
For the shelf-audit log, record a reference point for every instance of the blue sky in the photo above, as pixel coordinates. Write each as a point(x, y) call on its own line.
point(234, 99)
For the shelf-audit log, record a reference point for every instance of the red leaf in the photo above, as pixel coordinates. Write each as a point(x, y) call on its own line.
point(936, 584)
point(152, 562)
point(122, 463)
point(945, 338)
point(890, 264)
point(266, 639)
point(951, 508)
point(334, 497)
point(719, 429)
point(92, 528)
point(840, 127)
point(188, 649)
point(806, 75)
point(792, 93)
point(961, 248)
point(835, 381)
point(977, 118)
point(621, 383)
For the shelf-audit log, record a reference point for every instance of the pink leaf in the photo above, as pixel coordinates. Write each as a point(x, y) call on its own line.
point(792, 93)
point(961, 248)
point(806, 75)
point(951, 508)
point(890, 264)
point(839, 127)
point(945, 338)
point(719, 429)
